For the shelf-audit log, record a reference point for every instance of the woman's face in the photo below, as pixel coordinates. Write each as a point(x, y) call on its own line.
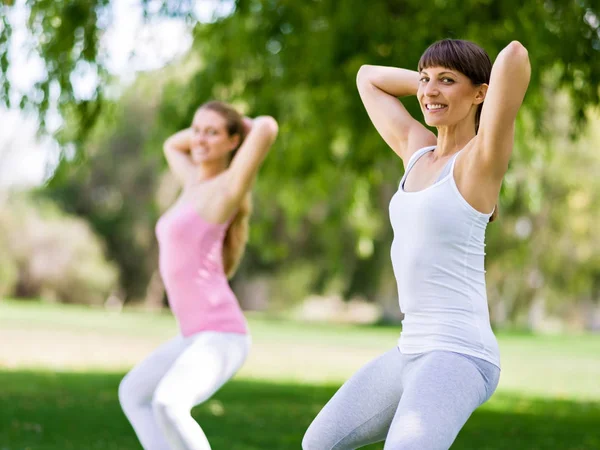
point(210, 138)
point(447, 96)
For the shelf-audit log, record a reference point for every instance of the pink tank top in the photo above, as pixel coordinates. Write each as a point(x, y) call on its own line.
point(191, 266)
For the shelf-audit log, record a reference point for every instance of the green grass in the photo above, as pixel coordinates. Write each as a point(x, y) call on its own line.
point(548, 397)
point(47, 411)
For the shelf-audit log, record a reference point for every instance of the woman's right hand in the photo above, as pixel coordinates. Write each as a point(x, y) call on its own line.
point(379, 88)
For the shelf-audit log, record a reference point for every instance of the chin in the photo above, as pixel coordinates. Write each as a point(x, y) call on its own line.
point(201, 157)
point(434, 123)
point(440, 122)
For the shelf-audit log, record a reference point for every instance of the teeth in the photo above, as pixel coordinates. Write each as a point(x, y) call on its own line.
point(435, 106)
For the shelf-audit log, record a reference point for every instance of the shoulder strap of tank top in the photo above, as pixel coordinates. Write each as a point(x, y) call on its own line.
point(453, 161)
point(416, 155)
point(413, 159)
point(448, 168)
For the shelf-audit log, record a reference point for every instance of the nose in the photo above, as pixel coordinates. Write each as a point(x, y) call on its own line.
point(200, 138)
point(431, 89)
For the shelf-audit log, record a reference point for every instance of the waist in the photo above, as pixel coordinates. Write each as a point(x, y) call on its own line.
point(192, 294)
point(462, 333)
point(191, 276)
point(206, 309)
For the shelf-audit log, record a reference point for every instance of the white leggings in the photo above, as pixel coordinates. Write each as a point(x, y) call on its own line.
point(158, 394)
point(413, 402)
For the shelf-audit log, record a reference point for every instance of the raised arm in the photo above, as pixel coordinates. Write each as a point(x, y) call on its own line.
point(261, 133)
point(379, 88)
point(176, 149)
point(508, 84)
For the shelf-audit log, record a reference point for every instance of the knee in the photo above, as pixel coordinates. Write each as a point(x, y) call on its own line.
point(412, 444)
point(315, 438)
point(418, 440)
point(127, 395)
point(308, 442)
point(167, 412)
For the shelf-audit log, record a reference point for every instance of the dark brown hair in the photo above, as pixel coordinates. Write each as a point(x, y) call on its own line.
point(237, 233)
point(464, 56)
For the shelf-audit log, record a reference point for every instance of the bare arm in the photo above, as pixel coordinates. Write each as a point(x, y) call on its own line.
point(379, 88)
point(242, 171)
point(176, 149)
point(508, 83)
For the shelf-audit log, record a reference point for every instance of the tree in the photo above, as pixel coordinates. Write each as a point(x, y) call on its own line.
point(323, 192)
point(113, 184)
point(276, 40)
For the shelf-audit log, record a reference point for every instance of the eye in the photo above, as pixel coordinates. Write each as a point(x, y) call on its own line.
point(211, 132)
point(447, 80)
point(423, 79)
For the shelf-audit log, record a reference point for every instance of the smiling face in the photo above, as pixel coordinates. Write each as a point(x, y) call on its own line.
point(454, 80)
point(447, 96)
point(211, 140)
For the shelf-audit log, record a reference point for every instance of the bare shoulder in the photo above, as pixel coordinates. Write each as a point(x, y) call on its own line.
point(211, 198)
point(472, 179)
point(420, 138)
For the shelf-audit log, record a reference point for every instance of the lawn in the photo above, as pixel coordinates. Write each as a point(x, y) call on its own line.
point(62, 366)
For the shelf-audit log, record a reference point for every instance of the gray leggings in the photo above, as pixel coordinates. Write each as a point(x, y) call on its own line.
point(416, 402)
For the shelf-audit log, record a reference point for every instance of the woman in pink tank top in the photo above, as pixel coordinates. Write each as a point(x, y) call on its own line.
point(201, 240)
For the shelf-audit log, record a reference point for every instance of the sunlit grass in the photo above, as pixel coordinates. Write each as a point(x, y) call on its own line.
point(66, 363)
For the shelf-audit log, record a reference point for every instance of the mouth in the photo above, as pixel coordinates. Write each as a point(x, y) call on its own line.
point(200, 151)
point(435, 107)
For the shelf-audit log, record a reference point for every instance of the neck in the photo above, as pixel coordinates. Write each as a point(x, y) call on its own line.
point(455, 137)
point(210, 169)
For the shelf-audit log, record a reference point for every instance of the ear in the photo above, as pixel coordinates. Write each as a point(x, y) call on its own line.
point(481, 93)
point(234, 141)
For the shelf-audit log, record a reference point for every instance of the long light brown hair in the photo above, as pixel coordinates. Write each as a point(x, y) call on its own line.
point(236, 237)
point(469, 59)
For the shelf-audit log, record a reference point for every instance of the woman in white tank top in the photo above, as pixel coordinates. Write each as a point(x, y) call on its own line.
point(420, 394)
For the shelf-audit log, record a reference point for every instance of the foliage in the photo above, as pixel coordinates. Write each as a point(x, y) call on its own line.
point(269, 47)
point(114, 183)
point(322, 196)
point(44, 252)
point(324, 192)
point(544, 247)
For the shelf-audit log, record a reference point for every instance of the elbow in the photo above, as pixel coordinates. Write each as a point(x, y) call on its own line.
point(267, 125)
point(166, 147)
point(516, 57)
point(517, 50)
point(363, 74)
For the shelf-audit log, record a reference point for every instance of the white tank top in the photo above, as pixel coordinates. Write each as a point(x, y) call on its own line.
point(438, 259)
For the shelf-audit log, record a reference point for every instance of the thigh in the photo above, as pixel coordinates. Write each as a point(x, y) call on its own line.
point(361, 411)
point(209, 360)
point(441, 391)
point(142, 380)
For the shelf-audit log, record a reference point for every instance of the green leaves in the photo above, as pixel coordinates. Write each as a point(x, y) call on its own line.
point(322, 194)
point(5, 39)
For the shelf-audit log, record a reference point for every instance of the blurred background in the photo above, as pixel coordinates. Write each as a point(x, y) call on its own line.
point(89, 91)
